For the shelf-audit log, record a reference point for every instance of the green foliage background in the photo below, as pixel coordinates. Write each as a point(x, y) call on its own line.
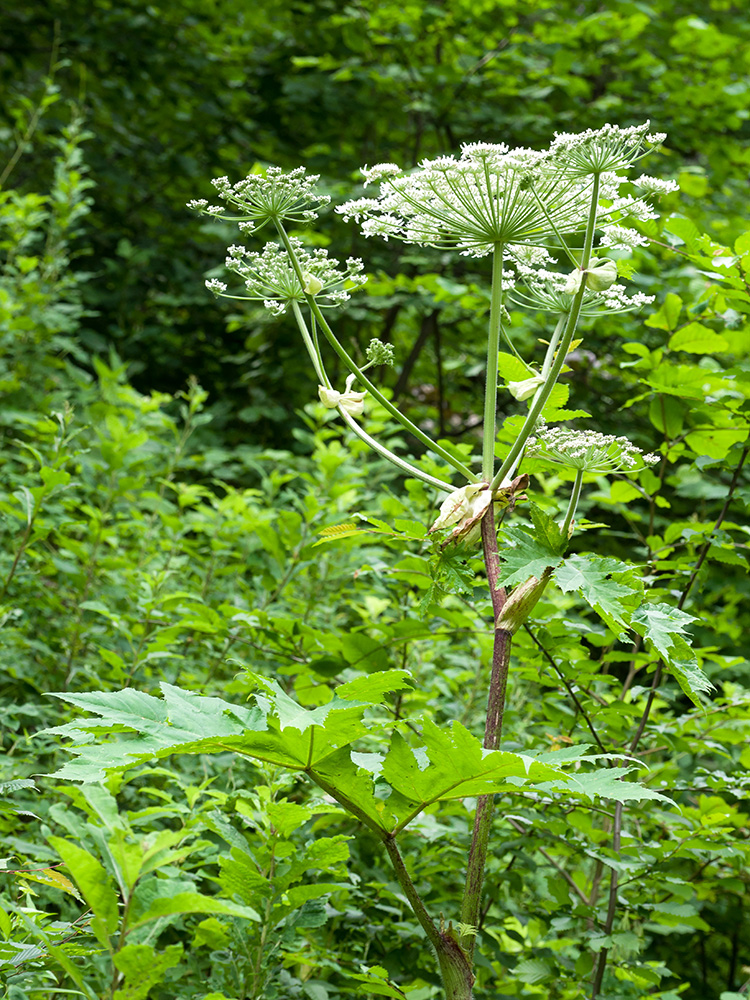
point(166, 474)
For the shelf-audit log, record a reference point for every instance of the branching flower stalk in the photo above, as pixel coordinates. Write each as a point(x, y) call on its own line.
point(513, 205)
point(575, 496)
point(569, 329)
point(361, 377)
point(401, 463)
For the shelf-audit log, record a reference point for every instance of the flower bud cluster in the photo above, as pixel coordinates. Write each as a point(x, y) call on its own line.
point(378, 353)
point(589, 451)
point(271, 197)
point(270, 277)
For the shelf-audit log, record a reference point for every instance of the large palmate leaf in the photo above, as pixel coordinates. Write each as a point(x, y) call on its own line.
point(452, 764)
point(276, 729)
point(663, 627)
point(385, 791)
point(660, 624)
point(591, 575)
point(525, 554)
point(389, 790)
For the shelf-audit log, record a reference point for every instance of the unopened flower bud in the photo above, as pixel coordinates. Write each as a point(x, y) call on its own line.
point(465, 509)
point(522, 390)
point(379, 353)
point(312, 284)
point(602, 276)
point(573, 282)
point(521, 602)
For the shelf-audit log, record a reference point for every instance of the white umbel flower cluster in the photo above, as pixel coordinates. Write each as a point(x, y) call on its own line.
point(472, 203)
point(270, 278)
point(271, 197)
point(550, 291)
point(589, 451)
point(598, 151)
point(493, 196)
point(655, 185)
point(622, 238)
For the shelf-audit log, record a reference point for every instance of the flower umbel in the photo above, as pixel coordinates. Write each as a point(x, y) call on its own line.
point(474, 202)
point(551, 291)
point(271, 197)
point(588, 451)
point(270, 278)
point(597, 151)
point(493, 196)
point(378, 353)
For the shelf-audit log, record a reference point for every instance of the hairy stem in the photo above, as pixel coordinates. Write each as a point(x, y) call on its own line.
point(472, 899)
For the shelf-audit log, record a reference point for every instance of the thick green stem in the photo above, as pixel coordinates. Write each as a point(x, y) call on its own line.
point(556, 367)
point(493, 348)
point(371, 388)
point(410, 470)
point(549, 357)
point(573, 503)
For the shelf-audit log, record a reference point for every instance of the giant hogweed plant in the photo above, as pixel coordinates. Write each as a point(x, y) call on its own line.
point(548, 220)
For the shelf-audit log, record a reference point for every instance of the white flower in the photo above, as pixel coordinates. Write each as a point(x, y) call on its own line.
point(522, 390)
point(352, 402)
point(489, 195)
point(270, 278)
point(271, 197)
point(493, 196)
point(621, 238)
point(550, 291)
point(588, 451)
point(216, 286)
point(379, 171)
point(598, 151)
point(654, 185)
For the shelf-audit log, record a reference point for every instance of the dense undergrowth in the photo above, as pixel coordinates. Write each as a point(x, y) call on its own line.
point(139, 548)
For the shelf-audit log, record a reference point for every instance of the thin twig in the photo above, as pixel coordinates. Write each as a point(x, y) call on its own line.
point(566, 875)
point(548, 656)
point(611, 905)
point(701, 559)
